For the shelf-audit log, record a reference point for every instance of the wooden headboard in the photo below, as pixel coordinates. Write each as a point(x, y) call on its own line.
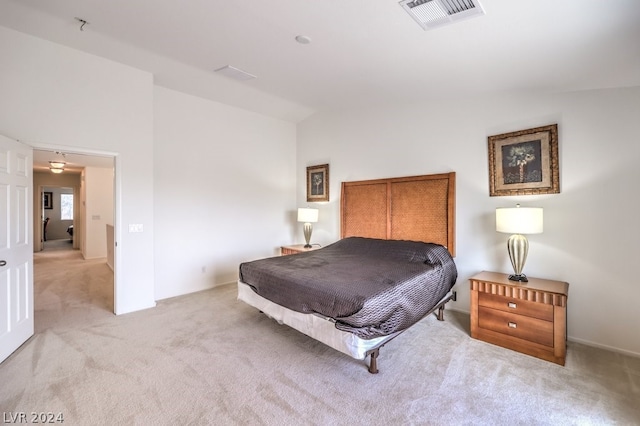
point(417, 208)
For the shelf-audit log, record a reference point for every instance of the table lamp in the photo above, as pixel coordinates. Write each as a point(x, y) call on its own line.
point(518, 221)
point(308, 216)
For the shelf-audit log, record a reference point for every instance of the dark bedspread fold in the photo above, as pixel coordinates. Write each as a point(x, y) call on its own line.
point(370, 287)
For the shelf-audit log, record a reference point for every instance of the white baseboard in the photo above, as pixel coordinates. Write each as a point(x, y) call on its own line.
point(605, 347)
point(198, 289)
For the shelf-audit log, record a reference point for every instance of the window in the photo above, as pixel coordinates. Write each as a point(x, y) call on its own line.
point(66, 206)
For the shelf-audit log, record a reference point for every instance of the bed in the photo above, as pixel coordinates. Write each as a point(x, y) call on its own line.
point(392, 266)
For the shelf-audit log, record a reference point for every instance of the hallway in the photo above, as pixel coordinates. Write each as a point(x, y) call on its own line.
point(69, 290)
point(62, 244)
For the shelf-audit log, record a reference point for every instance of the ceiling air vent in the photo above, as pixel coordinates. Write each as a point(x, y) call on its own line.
point(435, 13)
point(235, 73)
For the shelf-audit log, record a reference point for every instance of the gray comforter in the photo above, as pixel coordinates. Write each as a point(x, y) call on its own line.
point(369, 287)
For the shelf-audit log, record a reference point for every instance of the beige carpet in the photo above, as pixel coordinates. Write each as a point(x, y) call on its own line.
point(206, 358)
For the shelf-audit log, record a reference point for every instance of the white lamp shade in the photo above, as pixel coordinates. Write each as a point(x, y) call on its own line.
point(307, 215)
point(519, 220)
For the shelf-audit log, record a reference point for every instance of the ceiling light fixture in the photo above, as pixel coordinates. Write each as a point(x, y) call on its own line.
point(57, 166)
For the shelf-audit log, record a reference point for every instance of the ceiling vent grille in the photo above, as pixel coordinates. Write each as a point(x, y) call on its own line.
point(235, 73)
point(435, 13)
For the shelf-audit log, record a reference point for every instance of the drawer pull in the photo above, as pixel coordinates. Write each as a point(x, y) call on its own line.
point(512, 325)
point(512, 305)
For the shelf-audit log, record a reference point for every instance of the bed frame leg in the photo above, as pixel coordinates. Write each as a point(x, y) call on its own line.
point(440, 314)
point(373, 364)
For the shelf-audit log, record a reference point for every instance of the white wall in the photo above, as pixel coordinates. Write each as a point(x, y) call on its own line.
point(224, 190)
point(57, 98)
point(591, 228)
point(224, 186)
point(98, 210)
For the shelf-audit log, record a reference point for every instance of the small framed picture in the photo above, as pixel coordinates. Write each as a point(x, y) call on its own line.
point(524, 162)
point(318, 183)
point(47, 200)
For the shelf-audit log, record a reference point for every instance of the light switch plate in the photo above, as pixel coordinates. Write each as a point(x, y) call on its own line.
point(135, 227)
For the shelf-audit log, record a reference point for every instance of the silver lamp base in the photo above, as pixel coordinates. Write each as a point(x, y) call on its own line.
point(518, 247)
point(308, 228)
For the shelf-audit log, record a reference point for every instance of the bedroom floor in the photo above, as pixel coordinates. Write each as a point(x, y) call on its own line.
point(206, 358)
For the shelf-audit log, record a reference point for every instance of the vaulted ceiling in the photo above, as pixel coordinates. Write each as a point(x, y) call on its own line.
point(362, 52)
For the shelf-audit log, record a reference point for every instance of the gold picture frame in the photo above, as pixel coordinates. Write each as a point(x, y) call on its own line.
point(524, 162)
point(318, 183)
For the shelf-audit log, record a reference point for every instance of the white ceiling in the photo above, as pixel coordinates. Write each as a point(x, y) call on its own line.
point(363, 52)
point(74, 162)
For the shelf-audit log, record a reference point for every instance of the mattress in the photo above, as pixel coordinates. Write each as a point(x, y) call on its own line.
point(316, 326)
point(368, 287)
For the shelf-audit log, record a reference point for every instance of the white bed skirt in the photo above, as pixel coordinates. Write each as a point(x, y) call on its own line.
point(315, 326)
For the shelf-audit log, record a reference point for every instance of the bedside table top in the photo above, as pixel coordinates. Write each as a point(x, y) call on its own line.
point(300, 247)
point(550, 286)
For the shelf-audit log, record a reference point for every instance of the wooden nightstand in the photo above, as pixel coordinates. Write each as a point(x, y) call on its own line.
point(527, 317)
point(297, 248)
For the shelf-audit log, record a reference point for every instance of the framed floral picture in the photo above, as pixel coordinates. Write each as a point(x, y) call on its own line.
point(524, 162)
point(318, 183)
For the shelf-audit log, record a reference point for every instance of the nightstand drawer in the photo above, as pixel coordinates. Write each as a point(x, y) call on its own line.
point(523, 327)
point(516, 306)
point(286, 251)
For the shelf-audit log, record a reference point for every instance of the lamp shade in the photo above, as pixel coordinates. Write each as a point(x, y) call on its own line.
point(307, 215)
point(519, 220)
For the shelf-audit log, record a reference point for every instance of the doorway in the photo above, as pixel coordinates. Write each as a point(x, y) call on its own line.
point(74, 211)
point(59, 216)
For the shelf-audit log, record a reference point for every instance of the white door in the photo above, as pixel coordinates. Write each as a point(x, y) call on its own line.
point(16, 245)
